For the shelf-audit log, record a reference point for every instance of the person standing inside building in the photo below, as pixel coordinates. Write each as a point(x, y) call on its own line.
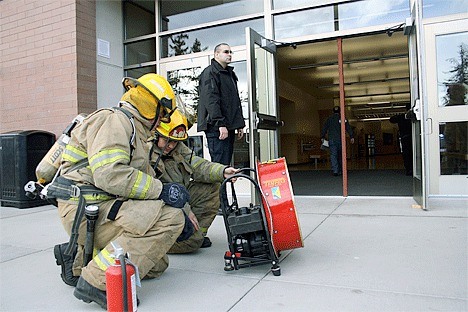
point(332, 127)
point(406, 141)
point(173, 161)
point(219, 106)
point(107, 164)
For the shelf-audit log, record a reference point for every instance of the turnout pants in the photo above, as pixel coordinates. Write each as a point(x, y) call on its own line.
point(204, 202)
point(145, 229)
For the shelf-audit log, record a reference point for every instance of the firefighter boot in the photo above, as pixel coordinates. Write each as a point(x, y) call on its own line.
point(88, 293)
point(206, 242)
point(66, 262)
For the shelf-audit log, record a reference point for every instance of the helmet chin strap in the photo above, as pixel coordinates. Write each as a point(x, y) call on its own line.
point(156, 117)
point(155, 167)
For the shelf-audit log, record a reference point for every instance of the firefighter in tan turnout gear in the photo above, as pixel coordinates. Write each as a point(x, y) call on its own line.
point(107, 159)
point(173, 161)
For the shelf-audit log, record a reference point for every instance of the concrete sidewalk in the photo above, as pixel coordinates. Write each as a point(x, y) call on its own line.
point(360, 254)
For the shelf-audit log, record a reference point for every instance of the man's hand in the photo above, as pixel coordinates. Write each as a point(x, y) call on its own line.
point(174, 194)
point(240, 133)
point(229, 172)
point(223, 133)
point(352, 140)
point(194, 220)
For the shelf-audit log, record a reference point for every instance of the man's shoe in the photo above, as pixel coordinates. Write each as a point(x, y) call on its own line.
point(66, 262)
point(206, 242)
point(88, 293)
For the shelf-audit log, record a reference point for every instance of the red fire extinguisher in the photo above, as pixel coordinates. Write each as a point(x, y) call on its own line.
point(121, 296)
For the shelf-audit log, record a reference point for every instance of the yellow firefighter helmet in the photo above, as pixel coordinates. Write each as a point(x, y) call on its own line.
point(176, 129)
point(158, 88)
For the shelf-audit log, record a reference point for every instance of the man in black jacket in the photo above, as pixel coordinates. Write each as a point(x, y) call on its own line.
point(219, 107)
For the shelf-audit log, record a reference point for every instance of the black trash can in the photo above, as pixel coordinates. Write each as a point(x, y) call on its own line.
point(20, 153)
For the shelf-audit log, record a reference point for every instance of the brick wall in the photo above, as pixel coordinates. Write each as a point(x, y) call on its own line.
point(47, 63)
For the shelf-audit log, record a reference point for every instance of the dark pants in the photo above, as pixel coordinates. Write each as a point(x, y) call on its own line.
point(221, 150)
point(407, 152)
point(335, 156)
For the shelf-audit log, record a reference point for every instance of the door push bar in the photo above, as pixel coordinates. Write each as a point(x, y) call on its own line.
point(267, 122)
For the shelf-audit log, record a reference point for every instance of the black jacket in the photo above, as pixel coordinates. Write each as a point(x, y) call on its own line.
point(219, 104)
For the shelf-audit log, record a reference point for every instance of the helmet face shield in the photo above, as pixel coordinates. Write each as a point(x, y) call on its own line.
point(167, 110)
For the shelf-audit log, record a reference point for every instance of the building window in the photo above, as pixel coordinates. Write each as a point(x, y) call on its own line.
point(453, 139)
point(371, 13)
point(177, 14)
point(138, 72)
point(139, 19)
point(290, 4)
point(433, 8)
point(308, 22)
point(140, 52)
point(206, 39)
point(452, 69)
point(343, 16)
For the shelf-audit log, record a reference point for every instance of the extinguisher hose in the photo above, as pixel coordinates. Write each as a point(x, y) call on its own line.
point(123, 266)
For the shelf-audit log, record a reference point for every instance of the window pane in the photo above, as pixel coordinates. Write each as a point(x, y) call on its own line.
point(453, 139)
point(241, 147)
point(372, 12)
point(207, 39)
point(302, 23)
point(185, 84)
point(281, 4)
point(138, 72)
point(183, 13)
point(140, 52)
point(139, 18)
point(452, 69)
point(432, 8)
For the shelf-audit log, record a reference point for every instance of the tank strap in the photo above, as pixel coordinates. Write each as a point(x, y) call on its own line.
point(66, 189)
point(132, 121)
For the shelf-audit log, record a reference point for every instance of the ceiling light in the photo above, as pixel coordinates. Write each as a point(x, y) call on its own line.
point(376, 103)
point(374, 119)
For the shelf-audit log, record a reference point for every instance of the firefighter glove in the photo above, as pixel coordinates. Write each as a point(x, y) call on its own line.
point(188, 229)
point(174, 194)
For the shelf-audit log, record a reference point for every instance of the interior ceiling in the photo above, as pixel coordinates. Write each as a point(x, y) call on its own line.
point(376, 73)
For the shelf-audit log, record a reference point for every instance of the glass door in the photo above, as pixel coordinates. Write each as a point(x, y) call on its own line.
point(263, 122)
point(263, 126)
point(183, 77)
point(416, 113)
point(447, 96)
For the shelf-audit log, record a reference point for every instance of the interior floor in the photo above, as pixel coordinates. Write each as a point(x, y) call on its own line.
point(381, 175)
point(391, 162)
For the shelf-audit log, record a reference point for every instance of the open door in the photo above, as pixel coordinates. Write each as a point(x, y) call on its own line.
point(262, 132)
point(416, 113)
point(263, 126)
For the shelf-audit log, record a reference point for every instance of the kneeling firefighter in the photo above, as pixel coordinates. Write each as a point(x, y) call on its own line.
point(106, 164)
point(173, 161)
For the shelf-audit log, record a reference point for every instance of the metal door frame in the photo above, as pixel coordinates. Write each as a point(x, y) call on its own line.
point(263, 115)
point(437, 114)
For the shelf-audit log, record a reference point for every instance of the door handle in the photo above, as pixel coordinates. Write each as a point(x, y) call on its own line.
point(429, 126)
point(268, 122)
